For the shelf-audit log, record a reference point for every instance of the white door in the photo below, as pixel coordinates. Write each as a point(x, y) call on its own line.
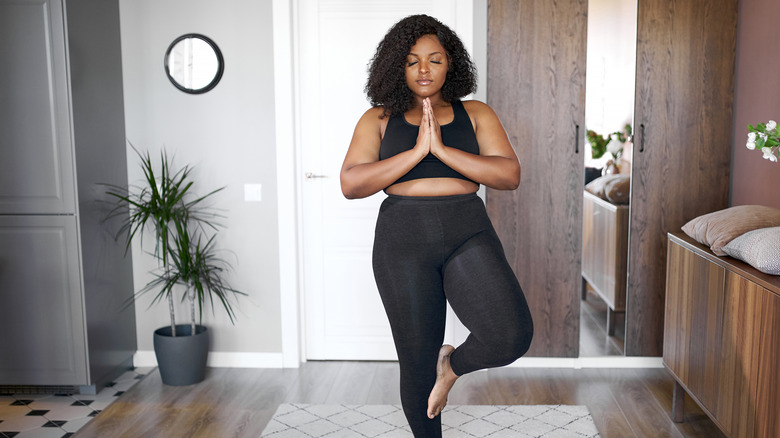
point(343, 314)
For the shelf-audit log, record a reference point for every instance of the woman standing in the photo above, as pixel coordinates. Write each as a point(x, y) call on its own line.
point(434, 242)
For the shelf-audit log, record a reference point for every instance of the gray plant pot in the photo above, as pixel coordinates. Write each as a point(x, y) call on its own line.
point(181, 359)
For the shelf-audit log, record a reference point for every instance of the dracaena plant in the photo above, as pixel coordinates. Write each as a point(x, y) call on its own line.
point(184, 228)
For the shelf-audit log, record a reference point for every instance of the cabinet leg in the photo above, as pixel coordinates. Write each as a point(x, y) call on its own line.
point(610, 322)
point(584, 289)
point(678, 401)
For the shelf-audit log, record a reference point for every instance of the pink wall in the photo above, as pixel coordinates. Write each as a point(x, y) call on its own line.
point(756, 99)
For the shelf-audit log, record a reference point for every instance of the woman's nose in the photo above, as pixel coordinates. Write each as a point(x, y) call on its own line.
point(423, 67)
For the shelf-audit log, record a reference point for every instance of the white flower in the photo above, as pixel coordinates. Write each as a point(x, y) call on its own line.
point(751, 137)
point(762, 135)
point(771, 125)
point(614, 146)
point(769, 154)
point(751, 145)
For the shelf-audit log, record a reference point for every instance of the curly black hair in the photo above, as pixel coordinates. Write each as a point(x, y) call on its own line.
point(386, 85)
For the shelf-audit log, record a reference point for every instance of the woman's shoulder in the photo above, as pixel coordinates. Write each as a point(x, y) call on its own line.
point(476, 107)
point(479, 111)
point(374, 116)
point(374, 119)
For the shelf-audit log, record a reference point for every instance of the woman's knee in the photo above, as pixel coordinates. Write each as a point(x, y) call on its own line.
point(513, 345)
point(518, 348)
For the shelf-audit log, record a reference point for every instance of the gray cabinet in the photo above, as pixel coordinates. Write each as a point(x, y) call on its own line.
point(36, 168)
point(64, 281)
point(43, 333)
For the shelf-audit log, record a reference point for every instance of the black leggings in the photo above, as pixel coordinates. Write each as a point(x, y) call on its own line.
point(430, 250)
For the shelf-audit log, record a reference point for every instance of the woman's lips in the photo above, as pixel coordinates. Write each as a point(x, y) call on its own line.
point(424, 81)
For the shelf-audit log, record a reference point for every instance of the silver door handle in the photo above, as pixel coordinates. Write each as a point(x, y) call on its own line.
point(310, 175)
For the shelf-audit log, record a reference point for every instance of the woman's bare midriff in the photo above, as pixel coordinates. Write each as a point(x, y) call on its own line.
point(433, 187)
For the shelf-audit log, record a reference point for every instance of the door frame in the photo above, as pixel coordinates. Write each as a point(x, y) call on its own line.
point(288, 189)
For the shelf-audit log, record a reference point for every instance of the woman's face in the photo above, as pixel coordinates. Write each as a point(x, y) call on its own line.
point(426, 66)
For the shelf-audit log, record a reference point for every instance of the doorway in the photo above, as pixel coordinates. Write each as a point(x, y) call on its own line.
point(343, 318)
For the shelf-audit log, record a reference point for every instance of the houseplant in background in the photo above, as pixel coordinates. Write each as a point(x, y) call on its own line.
point(184, 228)
point(765, 138)
point(611, 144)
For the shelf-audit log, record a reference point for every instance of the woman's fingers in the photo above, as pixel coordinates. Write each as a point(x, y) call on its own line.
point(435, 130)
point(424, 133)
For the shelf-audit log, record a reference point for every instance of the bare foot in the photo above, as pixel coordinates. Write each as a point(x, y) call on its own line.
point(445, 378)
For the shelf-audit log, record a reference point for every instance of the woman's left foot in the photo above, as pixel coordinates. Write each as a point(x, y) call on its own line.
point(445, 378)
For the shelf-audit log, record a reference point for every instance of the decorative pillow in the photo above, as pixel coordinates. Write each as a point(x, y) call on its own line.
point(596, 187)
point(759, 248)
point(718, 228)
point(602, 185)
point(618, 189)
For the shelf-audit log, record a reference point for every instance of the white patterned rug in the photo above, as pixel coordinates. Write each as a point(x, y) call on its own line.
point(388, 421)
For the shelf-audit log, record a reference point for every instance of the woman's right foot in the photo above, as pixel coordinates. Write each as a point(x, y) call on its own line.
point(445, 378)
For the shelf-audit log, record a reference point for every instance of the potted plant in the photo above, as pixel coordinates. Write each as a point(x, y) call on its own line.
point(185, 228)
point(612, 144)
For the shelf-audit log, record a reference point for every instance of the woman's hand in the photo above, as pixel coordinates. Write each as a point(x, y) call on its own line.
point(423, 146)
point(437, 146)
point(496, 166)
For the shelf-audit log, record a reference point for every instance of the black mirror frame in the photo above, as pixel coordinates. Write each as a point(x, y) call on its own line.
point(217, 75)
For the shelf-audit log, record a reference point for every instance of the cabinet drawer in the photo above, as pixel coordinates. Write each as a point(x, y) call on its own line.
point(44, 338)
point(750, 360)
point(693, 323)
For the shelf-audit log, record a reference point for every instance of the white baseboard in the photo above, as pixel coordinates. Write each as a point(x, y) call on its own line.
point(217, 359)
point(589, 362)
point(221, 359)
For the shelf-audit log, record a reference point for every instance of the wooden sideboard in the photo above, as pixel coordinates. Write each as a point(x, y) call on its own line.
point(722, 338)
point(605, 253)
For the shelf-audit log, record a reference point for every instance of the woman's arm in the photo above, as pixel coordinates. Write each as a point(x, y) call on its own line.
point(362, 174)
point(496, 166)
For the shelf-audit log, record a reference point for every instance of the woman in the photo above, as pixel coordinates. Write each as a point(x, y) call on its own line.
point(434, 242)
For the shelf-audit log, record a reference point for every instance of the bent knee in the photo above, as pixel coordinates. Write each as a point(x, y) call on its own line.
point(512, 347)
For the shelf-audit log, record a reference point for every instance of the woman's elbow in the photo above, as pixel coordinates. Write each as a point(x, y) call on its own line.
point(348, 190)
point(350, 194)
point(516, 179)
point(512, 180)
point(351, 190)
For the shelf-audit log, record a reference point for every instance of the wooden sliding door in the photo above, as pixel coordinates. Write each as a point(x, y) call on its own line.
point(536, 84)
point(683, 115)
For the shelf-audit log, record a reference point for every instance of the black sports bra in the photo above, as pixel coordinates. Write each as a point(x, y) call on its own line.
point(401, 136)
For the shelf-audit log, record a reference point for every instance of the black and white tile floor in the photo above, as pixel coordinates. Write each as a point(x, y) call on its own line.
point(58, 415)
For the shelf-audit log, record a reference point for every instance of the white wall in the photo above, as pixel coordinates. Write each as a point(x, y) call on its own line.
point(228, 135)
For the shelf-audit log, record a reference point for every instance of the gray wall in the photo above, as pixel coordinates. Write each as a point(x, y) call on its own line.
point(227, 134)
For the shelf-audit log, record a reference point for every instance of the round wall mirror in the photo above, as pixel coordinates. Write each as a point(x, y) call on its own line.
point(194, 63)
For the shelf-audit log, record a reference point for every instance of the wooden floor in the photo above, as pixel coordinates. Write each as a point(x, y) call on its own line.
point(594, 341)
point(235, 402)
